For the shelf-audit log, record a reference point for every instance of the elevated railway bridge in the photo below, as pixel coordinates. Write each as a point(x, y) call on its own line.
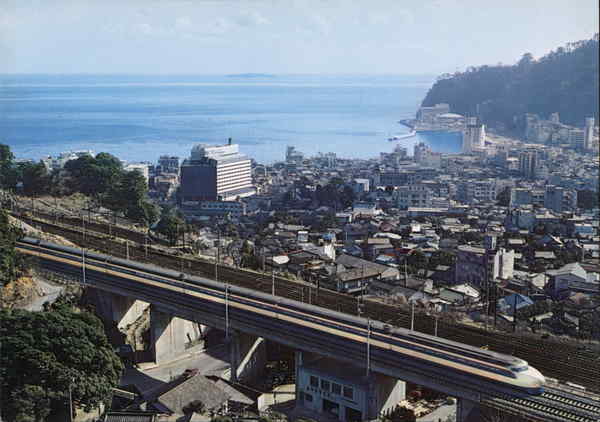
point(563, 360)
point(477, 377)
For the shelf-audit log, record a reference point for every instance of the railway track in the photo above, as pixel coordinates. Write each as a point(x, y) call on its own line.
point(572, 400)
point(552, 405)
point(88, 224)
point(559, 360)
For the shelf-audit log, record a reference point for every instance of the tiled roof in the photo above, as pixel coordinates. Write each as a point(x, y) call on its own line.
point(194, 388)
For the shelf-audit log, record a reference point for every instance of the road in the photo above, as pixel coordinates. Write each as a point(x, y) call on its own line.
point(211, 361)
point(50, 293)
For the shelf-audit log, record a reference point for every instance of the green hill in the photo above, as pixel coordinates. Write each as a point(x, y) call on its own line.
point(565, 80)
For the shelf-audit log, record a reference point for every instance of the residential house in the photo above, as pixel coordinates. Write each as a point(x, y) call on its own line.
point(571, 278)
point(508, 304)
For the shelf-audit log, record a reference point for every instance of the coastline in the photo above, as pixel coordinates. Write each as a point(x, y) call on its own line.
point(412, 124)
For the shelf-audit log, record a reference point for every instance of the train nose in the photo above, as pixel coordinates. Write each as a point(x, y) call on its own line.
point(534, 378)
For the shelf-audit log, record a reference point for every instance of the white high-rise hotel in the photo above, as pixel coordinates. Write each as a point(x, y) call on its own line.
point(216, 173)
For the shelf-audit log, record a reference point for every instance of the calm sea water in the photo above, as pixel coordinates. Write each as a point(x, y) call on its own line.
point(138, 118)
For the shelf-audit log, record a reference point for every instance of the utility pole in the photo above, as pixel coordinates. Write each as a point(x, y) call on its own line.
point(217, 257)
point(273, 277)
point(515, 313)
point(368, 346)
point(70, 402)
point(405, 272)
point(495, 305)
point(487, 289)
point(226, 312)
point(83, 264)
point(127, 247)
point(412, 316)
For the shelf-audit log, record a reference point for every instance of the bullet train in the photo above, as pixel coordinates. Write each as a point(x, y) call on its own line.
point(484, 370)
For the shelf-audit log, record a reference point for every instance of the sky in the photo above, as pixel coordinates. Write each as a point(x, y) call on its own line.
point(282, 36)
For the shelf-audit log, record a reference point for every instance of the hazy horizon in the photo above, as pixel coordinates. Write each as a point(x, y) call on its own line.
point(209, 37)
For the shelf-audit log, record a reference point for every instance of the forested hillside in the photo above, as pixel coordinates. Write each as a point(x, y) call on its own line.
point(565, 80)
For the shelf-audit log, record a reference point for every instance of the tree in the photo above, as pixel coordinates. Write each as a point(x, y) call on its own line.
point(85, 176)
point(11, 263)
point(109, 161)
point(441, 258)
point(133, 190)
point(36, 179)
point(417, 260)
point(347, 196)
point(108, 169)
point(127, 195)
point(44, 354)
point(33, 403)
point(169, 226)
point(94, 176)
point(8, 171)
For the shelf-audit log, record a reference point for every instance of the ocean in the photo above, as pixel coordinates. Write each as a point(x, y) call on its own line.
point(140, 117)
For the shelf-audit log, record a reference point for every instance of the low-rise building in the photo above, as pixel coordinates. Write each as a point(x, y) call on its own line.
point(415, 195)
point(559, 199)
point(360, 185)
point(479, 265)
point(142, 168)
point(233, 208)
point(571, 278)
point(342, 391)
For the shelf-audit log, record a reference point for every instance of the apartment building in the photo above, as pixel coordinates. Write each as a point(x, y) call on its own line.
point(477, 191)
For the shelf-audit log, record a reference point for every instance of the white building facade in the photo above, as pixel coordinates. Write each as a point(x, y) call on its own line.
point(473, 136)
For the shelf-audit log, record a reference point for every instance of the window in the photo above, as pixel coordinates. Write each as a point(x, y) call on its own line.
point(314, 381)
point(348, 392)
point(307, 397)
point(336, 389)
point(324, 385)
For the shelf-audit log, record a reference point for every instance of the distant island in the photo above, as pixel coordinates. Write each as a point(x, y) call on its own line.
point(251, 75)
point(564, 81)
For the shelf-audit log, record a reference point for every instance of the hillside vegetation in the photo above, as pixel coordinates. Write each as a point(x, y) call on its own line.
point(565, 80)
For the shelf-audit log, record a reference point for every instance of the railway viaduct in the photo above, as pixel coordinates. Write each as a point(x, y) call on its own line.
point(179, 315)
point(178, 318)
